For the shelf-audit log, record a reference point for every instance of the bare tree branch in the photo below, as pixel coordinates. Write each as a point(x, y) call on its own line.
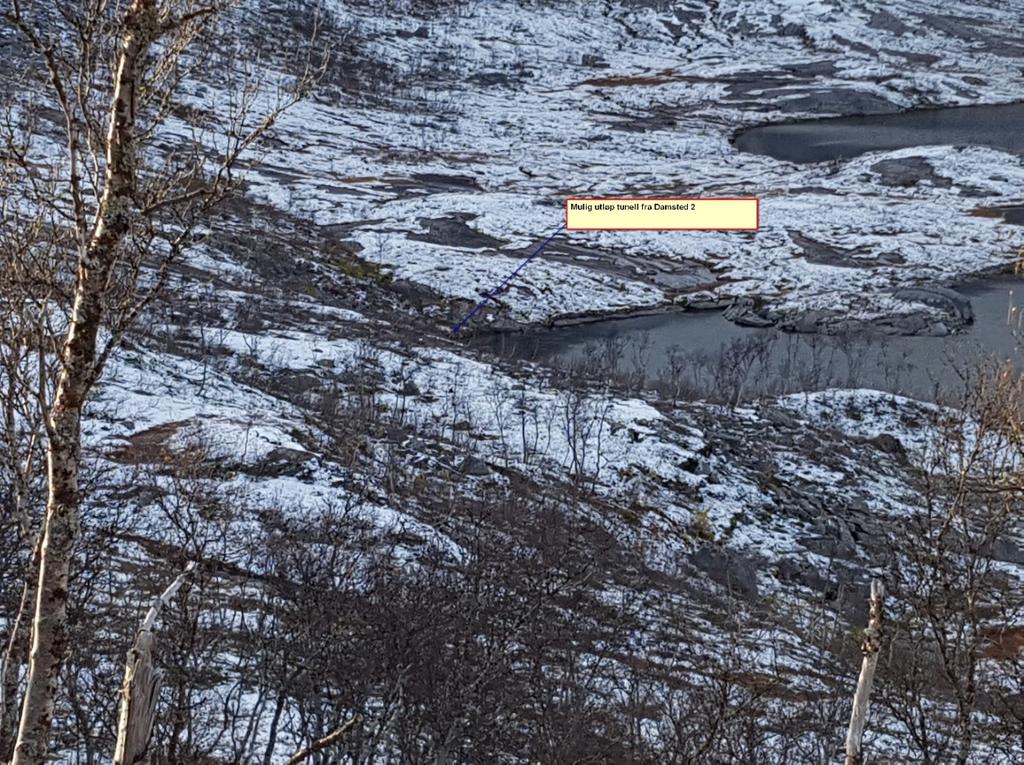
point(320, 744)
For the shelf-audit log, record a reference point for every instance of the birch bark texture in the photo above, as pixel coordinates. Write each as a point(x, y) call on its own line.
point(78, 372)
point(871, 643)
point(131, 213)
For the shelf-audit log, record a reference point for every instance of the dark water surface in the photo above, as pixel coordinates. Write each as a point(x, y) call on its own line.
point(704, 354)
point(1001, 127)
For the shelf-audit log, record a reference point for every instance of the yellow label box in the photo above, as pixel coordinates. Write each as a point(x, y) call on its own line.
point(629, 214)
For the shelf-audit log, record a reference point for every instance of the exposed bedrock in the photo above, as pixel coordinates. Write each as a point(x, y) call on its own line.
point(926, 310)
point(949, 302)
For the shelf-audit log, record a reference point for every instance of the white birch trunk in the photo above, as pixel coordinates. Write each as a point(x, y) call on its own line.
point(862, 698)
point(78, 372)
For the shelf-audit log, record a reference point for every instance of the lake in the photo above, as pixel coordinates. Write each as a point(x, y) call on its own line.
point(701, 353)
point(820, 140)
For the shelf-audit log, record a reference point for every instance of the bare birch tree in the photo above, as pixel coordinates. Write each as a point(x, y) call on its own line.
point(26, 377)
point(118, 209)
point(952, 592)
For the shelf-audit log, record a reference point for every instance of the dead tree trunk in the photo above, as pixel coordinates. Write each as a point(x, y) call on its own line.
point(141, 688)
point(870, 645)
point(78, 372)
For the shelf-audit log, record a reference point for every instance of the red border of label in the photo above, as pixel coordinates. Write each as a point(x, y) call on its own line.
point(757, 203)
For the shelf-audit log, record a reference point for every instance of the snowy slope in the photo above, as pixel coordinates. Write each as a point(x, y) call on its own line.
point(498, 111)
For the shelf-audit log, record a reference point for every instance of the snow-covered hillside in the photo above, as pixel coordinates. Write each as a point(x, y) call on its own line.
point(484, 558)
point(493, 113)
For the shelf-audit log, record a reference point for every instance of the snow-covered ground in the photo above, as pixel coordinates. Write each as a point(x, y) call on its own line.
point(492, 114)
point(671, 465)
point(498, 112)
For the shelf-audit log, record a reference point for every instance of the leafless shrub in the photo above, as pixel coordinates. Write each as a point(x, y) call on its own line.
point(953, 598)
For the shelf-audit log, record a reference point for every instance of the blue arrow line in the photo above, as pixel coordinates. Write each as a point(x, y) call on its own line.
point(505, 283)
